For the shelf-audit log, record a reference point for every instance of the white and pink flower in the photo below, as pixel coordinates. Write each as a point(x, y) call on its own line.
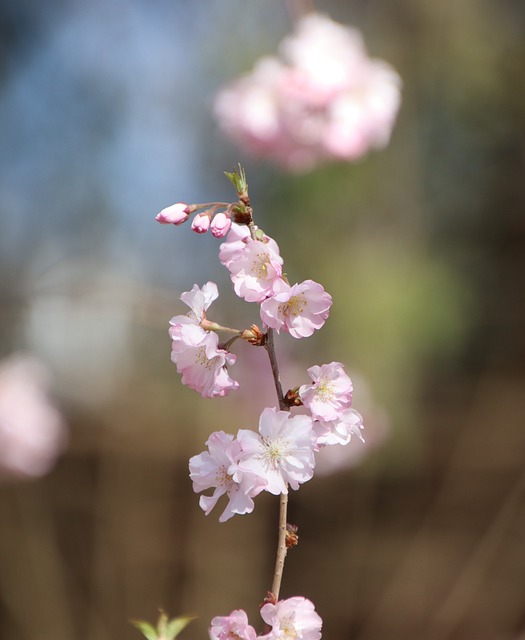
point(283, 453)
point(330, 393)
point(255, 269)
point(218, 468)
point(200, 361)
point(300, 309)
point(198, 300)
point(291, 619)
point(340, 430)
point(196, 351)
point(236, 240)
point(232, 627)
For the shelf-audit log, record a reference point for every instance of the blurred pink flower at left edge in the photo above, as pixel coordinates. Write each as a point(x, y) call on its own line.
point(32, 430)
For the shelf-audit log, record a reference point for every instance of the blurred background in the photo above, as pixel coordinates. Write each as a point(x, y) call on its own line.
point(105, 118)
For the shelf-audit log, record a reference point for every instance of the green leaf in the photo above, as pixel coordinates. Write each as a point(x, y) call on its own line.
point(166, 629)
point(238, 179)
point(146, 629)
point(176, 625)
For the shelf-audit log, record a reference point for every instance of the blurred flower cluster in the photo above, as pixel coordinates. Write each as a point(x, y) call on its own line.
point(323, 99)
point(32, 431)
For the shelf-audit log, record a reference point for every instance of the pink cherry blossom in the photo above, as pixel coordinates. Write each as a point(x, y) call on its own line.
point(255, 269)
point(341, 430)
point(218, 468)
point(236, 242)
point(201, 223)
point(198, 300)
point(322, 99)
point(200, 361)
point(283, 453)
point(175, 214)
point(220, 224)
point(291, 619)
point(232, 627)
point(299, 310)
point(329, 394)
point(32, 431)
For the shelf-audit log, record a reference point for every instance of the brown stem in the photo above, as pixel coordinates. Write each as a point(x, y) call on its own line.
point(283, 502)
point(281, 546)
point(270, 348)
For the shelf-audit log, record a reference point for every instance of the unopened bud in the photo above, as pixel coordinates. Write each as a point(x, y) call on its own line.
point(254, 336)
point(292, 539)
point(201, 223)
point(175, 214)
point(292, 398)
point(220, 225)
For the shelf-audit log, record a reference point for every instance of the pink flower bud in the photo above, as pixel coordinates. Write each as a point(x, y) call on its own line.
point(220, 225)
point(176, 214)
point(201, 223)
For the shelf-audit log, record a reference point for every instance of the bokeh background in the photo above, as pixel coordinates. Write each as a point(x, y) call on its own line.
point(105, 118)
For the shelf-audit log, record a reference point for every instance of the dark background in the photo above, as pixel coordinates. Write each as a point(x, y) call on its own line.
point(105, 118)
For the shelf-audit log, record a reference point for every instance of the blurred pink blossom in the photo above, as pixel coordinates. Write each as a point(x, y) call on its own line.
point(32, 431)
point(323, 99)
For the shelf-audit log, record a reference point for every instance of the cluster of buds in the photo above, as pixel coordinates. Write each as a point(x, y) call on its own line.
point(211, 218)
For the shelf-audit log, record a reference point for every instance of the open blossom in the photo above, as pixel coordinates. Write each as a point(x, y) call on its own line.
point(324, 98)
point(32, 431)
point(255, 269)
point(341, 430)
point(291, 619)
point(196, 351)
point(283, 453)
point(198, 300)
point(299, 309)
point(329, 394)
point(218, 468)
point(200, 361)
point(232, 627)
point(235, 243)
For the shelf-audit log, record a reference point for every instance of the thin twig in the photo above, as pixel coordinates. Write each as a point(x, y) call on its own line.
point(270, 348)
point(281, 546)
point(283, 503)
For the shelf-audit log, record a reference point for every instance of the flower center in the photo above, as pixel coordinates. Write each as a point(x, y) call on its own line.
point(260, 265)
point(325, 391)
point(223, 478)
point(294, 306)
point(202, 359)
point(275, 450)
point(288, 629)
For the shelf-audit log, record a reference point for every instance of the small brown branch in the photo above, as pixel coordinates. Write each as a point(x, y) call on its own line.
point(281, 546)
point(270, 348)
